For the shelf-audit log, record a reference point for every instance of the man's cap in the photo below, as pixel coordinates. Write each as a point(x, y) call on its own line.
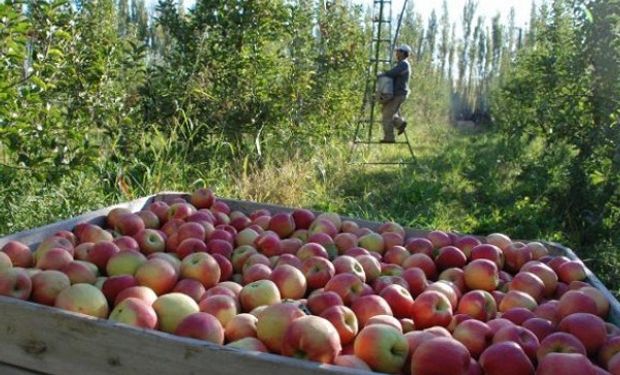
point(404, 48)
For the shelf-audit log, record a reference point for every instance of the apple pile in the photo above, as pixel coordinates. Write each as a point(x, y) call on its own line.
point(320, 288)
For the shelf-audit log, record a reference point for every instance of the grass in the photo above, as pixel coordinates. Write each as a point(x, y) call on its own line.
point(459, 182)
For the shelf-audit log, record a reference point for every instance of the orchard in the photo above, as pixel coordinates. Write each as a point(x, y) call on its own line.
point(322, 288)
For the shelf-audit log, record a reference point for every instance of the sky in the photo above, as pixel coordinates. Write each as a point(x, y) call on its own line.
point(486, 8)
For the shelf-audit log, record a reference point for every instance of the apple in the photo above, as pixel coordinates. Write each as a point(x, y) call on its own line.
point(84, 299)
point(372, 242)
point(311, 249)
point(171, 226)
point(150, 241)
point(498, 323)
point(320, 300)
point(202, 267)
point(421, 245)
point(15, 282)
point(518, 315)
point(447, 289)
point(226, 267)
point(387, 320)
point(440, 356)
point(46, 285)
point(140, 292)
point(475, 335)
point(113, 285)
point(241, 326)
point(576, 301)
point(499, 239)
point(290, 281)
point(157, 274)
point(559, 342)
point(522, 336)
point(318, 271)
point(113, 216)
point(515, 298)
point(81, 251)
point(466, 244)
point(19, 254)
point(259, 293)
point(135, 312)
point(286, 258)
point(450, 256)
point(572, 271)
point(422, 261)
point(129, 224)
point(80, 271)
point(202, 198)
point(125, 262)
point(224, 308)
point(313, 338)
point(348, 264)
point(588, 328)
point(602, 304)
point(54, 259)
point(201, 326)
point(481, 274)
point(368, 306)
point(171, 258)
point(256, 272)
point(344, 320)
point(273, 322)
point(505, 358)
point(399, 299)
point(346, 285)
point(549, 311)
point(159, 208)
point(345, 241)
point(172, 309)
point(456, 276)
point(382, 347)
point(609, 349)
point(431, 308)
point(149, 218)
point(516, 255)
point(384, 281)
point(529, 283)
point(545, 273)
point(91, 233)
point(282, 224)
point(101, 253)
point(248, 343)
point(303, 218)
point(565, 364)
point(490, 252)
point(416, 279)
point(190, 287)
point(439, 239)
point(478, 304)
point(323, 225)
point(540, 327)
point(396, 255)
point(180, 211)
point(391, 239)
point(614, 364)
point(126, 243)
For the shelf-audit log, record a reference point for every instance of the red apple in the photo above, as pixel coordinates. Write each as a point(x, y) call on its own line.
point(382, 347)
point(478, 304)
point(505, 358)
point(302, 218)
point(351, 361)
point(576, 301)
point(421, 245)
point(370, 265)
point(588, 328)
point(134, 312)
point(466, 244)
point(101, 253)
point(481, 274)
point(318, 271)
point(129, 224)
point(259, 293)
point(202, 267)
point(440, 356)
point(540, 327)
point(172, 309)
point(241, 326)
point(416, 279)
point(126, 243)
point(273, 322)
point(529, 283)
point(125, 262)
point(20, 254)
point(422, 261)
point(499, 239)
point(399, 299)
point(450, 256)
point(157, 274)
point(565, 364)
point(190, 287)
point(312, 338)
point(346, 285)
point(522, 336)
point(431, 308)
point(439, 239)
point(387, 320)
point(545, 273)
point(475, 335)
point(516, 255)
point(490, 252)
point(54, 259)
point(348, 264)
point(515, 298)
point(201, 326)
point(202, 198)
point(46, 285)
point(609, 349)
point(572, 271)
point(290, 281)
point(366, 307)
point(559, 342)
point(344, 320)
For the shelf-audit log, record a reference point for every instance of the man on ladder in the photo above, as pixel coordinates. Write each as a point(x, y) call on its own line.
point(390, 111)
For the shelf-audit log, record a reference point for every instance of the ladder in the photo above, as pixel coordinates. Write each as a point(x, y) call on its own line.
point(381, 51)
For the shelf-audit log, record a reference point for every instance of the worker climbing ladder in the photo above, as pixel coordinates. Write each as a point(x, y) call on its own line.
point(381, 51)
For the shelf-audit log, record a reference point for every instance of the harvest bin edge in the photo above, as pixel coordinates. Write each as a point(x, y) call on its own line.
point(95, 346)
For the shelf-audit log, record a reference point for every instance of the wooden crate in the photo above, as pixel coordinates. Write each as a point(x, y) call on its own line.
point(36, 338)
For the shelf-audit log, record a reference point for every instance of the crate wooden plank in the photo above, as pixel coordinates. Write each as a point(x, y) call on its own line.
point(6, 369)
point(58, 342)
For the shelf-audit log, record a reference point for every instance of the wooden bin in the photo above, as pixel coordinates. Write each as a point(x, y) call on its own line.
point(36, 338)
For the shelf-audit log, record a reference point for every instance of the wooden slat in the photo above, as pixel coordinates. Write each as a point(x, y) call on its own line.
point(6, 369)
point(58, 342)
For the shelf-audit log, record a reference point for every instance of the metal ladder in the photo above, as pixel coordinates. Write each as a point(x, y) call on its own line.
point(382, 46)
